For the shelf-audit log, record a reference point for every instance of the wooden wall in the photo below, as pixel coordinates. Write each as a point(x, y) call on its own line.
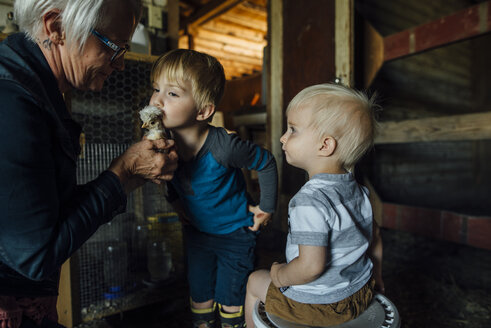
point(451, 80)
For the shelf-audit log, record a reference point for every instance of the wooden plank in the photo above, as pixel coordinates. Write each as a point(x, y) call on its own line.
point(344, 41)
point(260, 24)
point(251, 9)
point(450, 128)
point(229, 48)
point(462, 25)
point(140, 57)
point(68, 305)
point(250, 119)
point(211, 10)
point(227, 39)
point(220, 25)
point(222, 51)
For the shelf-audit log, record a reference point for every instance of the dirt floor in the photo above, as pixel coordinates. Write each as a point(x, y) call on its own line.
point(433, 283)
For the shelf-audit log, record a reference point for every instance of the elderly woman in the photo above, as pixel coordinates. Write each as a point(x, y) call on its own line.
point(44, 215)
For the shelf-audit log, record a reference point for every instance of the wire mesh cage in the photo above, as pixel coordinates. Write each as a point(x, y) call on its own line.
point(118, 267)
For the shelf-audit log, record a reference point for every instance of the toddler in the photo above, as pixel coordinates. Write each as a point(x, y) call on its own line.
point(333, 249)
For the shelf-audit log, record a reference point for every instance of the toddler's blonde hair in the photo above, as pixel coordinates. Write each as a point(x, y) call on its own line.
point(203, 71)
point(345, 114)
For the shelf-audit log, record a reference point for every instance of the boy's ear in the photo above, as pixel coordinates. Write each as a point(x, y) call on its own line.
point(328, 146)
point(52, 27)
point(205, 112)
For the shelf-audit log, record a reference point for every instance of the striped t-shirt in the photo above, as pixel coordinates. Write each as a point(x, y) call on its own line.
point(331, 210)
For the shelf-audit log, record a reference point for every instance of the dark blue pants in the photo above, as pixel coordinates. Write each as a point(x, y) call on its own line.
point(219, 265)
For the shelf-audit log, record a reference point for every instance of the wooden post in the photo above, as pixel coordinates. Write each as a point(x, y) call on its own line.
point(301, 41)
point(68, 304)
point(173, 23)
point(275, 100)
point(344, 41)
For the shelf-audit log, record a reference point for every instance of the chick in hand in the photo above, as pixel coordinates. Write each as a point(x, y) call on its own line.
point(151, 117)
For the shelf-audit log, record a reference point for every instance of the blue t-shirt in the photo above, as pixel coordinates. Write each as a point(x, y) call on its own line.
point(212, 187)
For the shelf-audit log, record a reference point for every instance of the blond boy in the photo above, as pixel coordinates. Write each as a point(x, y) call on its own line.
point(208, 190)
point(329, 276)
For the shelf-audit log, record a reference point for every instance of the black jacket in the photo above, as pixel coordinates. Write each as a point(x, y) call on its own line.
point(44, 215)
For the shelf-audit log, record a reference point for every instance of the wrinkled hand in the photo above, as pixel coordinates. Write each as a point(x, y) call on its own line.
point(154, 160)
point(261, 218)
point(273, 273)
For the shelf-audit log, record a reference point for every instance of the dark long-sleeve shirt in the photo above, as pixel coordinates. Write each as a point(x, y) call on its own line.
point(212, 186)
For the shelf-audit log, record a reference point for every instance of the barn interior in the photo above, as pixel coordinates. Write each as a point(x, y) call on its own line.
point(427, 62)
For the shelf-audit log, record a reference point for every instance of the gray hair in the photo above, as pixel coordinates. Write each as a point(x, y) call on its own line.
point(346, 114)
point(78, 17)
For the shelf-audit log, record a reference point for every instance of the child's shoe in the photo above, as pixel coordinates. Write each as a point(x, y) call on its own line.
point(203, 318)
point(232, 320)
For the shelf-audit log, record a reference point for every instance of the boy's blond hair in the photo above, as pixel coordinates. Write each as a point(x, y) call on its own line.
point(343, 113)
point(203, 71)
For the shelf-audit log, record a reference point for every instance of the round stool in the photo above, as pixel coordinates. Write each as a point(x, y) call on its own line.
point(381, 313)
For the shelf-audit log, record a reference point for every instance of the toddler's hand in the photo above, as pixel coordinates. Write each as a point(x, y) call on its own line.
point(275, 268)
point(261, 218)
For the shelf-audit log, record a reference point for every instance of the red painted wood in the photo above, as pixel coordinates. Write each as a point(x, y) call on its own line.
point(389, 216)
point(479, 232)
point(459, 26)
point(473, 231)
point(452, 227)
point(422, 221)
point(396, 45)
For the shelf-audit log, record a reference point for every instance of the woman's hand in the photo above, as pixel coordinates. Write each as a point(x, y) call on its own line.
point(154, 160)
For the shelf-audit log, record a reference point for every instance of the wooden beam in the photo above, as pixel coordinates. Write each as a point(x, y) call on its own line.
point(275, 97)
point(211, 10)
point(258, 24)
point(223, 26)
point(449, 128)
point(462, 25)
point(140, 57)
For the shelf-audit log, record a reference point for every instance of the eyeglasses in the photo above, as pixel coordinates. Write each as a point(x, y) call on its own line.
point(118, 51)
